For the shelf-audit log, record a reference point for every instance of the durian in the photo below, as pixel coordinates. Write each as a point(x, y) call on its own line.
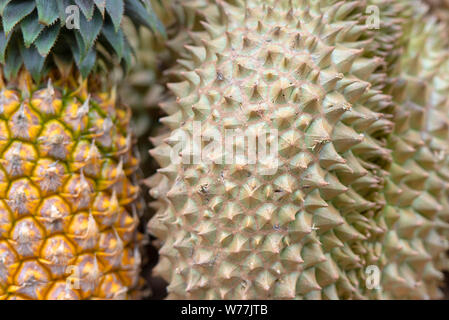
point(354, 206)
point(420, 150)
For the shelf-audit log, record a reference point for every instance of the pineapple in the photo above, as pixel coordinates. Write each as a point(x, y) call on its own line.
point(69, 199)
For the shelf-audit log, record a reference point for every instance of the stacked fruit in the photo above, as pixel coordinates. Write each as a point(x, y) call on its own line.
point(303, 148)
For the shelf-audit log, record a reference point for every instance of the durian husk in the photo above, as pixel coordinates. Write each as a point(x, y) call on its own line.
point(371, 209)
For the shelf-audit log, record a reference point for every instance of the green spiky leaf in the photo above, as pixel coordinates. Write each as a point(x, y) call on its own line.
point(47, 39)
point(74, 47)
point(90, 29)
point(127, 55)
point(155, 23)
point(62, 7)
point(80, 45)
point(3, 4)
point(42, 27)
point(115, 39)
point(47, 11)
point(87, 7)
point(34, 62)
point(138, 13)
point(14, 13)
point(64, 64)
point(4, 40)
point(101, 5)
point(13, 60)
point(88, 63)
point(31, 28)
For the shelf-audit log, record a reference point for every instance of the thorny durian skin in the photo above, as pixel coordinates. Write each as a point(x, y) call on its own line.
point(349, 185)
point(288, 235)
point(68, 214)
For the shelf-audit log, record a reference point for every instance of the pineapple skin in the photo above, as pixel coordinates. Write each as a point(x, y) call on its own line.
point(144, 86)
point(298, 234)
point(216, 246)
point(68, 213)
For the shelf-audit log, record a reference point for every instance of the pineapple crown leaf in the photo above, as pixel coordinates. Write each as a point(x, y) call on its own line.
point(40, 34)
